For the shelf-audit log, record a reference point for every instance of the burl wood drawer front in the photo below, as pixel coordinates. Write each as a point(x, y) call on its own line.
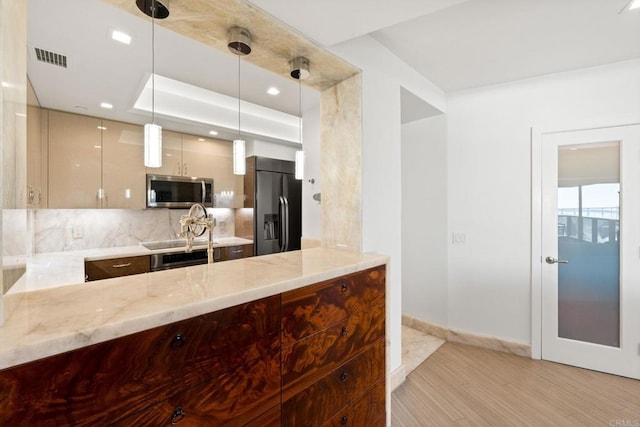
point(316, 307)
point(271, 418)
point(325, 398)
point(116, 267)
point(111, 380)
point(314, 356)
point(368, 411)
point(231, 399)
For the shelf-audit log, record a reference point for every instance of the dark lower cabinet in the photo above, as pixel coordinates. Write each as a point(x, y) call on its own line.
point(333, 352)
point(226, 368)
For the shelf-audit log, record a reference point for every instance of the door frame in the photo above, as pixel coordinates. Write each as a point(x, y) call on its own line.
point(536, 135)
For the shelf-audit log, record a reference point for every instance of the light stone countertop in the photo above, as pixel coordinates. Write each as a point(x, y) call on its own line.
point(52, 321)
point(49, 270)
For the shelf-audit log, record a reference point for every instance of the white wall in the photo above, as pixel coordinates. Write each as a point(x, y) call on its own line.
point(489, 197)
point(382, 76)
point(424, 220)
point(272, 150)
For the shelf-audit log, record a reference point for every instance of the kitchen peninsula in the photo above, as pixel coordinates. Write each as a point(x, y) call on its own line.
point(250, 324)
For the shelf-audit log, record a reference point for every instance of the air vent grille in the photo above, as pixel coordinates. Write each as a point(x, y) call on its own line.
point(51, 57)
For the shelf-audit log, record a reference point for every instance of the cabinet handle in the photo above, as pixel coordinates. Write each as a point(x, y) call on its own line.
point(128, 264)
point(184, 169)
point(177, 342)
point(344, 377)
point(344, 331)
point(236, 251)
point(344, 420)
point(178, 169)
point(344, 287)
point(178, 415)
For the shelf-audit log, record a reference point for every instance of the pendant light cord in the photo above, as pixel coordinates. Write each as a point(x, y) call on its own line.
point(153, 61)
point(239, 98)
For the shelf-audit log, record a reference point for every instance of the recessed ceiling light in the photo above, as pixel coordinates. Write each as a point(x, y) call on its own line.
point(273, 91)
point(213, 132)
point(102, 128)
point(106, 105)
point(97, 146)
point(635, 4)
point(201, 139)
point(5, 84)
point(121, 37)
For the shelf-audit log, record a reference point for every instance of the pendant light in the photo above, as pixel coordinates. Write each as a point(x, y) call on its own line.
point(239, 43)
point(153, 131)
point(300, 71)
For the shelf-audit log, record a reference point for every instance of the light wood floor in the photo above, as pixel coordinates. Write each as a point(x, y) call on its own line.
point(463, 385)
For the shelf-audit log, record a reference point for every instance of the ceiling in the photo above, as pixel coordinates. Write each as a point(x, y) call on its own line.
point(103, 70)
point(457, 44)
point(460, 44)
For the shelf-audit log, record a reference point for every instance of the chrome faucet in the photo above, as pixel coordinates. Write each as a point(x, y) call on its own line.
point(194, 224)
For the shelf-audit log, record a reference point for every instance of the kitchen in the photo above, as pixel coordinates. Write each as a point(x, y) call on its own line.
point(150, 224)
point(465, 156)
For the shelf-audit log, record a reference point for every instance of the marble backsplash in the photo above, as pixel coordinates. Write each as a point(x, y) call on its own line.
point(59, 230)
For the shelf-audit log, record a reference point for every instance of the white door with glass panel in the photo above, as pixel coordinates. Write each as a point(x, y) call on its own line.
point(590, 263)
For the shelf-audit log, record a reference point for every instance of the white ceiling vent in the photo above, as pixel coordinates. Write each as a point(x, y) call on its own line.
point(51, 57)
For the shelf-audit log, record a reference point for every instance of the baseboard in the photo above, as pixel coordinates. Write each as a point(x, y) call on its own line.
point(397, 377)
point(461, 337)
point(519, 349)
point(428, 328)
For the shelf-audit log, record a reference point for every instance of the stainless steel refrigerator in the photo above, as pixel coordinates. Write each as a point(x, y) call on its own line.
point(277, 217)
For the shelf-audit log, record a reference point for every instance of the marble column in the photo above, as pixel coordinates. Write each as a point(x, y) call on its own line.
point(341, 164)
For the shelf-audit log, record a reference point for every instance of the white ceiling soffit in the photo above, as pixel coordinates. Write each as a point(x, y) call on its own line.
point(330, 22)
point(483, 42)
point(183, 101)
point(413, 108)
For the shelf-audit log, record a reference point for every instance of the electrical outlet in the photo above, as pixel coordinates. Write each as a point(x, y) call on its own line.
point(458, 238)
point(77, 232)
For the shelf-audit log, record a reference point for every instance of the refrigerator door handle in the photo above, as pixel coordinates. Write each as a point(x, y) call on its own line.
point(286, 223)
point(204, 191)
point(281, 208)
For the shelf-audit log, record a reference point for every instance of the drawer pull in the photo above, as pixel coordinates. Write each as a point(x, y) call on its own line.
point(177, 341)
point(344, 420)
point(178, 415)
point(344, 331)
point(343, 288)
point(128, 264)
point(237, 251)
point(344, 377)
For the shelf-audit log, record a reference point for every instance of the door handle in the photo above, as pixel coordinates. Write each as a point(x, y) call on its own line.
point(552, 260)
point(286, 223)
point(281, 221)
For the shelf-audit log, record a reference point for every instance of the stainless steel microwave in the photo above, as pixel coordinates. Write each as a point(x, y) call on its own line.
point(167, 191)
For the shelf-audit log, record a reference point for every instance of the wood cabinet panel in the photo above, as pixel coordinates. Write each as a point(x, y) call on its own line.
point(323, 399)
point(271, 418)
point(316, 307)
point(112, 380)
point(314, 356)
point(369, 410)
point(116, 267)
point(231, 399)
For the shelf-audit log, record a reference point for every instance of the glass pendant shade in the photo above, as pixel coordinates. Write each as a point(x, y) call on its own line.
point(152, 145)
point(299, 165)
point(239, 167)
